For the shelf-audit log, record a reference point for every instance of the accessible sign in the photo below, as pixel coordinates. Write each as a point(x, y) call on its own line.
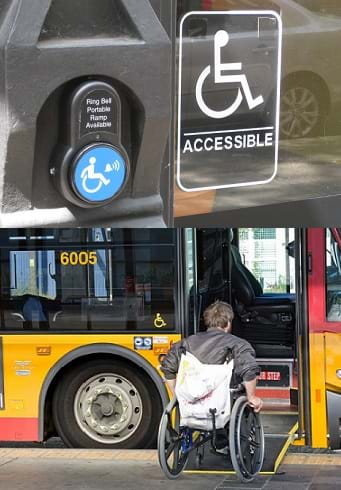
point(229, 96)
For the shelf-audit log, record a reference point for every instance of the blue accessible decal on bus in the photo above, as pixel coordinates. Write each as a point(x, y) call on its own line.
point(99, 174)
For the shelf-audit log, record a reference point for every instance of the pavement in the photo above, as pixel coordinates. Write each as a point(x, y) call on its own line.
point(59, 469)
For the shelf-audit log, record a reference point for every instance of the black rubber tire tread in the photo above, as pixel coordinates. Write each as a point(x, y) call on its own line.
point(237, 408)
point(161, 442)
point(63, 401)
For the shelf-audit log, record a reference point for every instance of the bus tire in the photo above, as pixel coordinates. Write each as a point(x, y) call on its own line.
point(106, 404)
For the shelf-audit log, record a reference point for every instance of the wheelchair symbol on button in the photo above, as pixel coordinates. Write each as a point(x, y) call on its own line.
point(89, 173)
point(99, 173)
point(221, 39)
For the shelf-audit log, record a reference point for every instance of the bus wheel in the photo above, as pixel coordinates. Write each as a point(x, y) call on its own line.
point(103, 404)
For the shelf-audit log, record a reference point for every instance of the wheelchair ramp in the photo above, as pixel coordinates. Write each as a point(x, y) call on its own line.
point(279, 429)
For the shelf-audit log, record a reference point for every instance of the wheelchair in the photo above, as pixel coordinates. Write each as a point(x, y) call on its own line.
point(244, 433)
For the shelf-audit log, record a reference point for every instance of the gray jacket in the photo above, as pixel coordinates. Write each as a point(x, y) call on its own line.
point(214, 347)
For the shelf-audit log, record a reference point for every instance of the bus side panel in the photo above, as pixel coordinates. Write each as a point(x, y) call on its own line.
point(1, 377)
point(27, 360)
point(15, 375)
point(19, 429)
point(333, 385)
point(333, 361)
point(318, 391)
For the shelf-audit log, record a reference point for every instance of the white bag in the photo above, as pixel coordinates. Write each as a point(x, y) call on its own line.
point(201, 387)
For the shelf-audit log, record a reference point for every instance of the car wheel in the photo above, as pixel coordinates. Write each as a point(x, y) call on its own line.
point(302, 112)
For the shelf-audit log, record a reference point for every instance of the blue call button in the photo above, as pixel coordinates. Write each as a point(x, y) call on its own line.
point(99, 173)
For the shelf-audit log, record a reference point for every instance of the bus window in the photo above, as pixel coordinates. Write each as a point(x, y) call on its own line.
point(265, 252)
point(190, 286)
point(212, 284)
point(123, 283)
point(333, 278)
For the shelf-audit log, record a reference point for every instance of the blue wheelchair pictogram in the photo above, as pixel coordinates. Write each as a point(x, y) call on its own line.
point(99, 174)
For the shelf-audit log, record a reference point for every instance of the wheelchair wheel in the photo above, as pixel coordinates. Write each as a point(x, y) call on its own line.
point(246, 440)
point(171, 442)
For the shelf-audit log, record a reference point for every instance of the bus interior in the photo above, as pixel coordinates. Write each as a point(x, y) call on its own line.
point(254, 270)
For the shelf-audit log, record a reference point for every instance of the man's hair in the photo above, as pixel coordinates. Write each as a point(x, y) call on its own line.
point(218, 314)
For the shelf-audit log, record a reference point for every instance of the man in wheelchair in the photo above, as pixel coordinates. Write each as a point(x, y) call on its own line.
point(216, 346)
point(214, 376)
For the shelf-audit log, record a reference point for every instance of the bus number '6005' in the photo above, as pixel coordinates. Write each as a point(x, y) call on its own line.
point(78, 258)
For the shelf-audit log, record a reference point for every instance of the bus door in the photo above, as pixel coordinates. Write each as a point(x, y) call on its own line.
point(324, 310)
point(254, 270)
point(300, 393)
point(262, 278)
point(265, 281)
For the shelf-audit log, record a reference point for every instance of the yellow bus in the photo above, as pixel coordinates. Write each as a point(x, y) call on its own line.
point(86, 315)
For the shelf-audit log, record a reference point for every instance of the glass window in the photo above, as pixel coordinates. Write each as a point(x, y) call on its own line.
point(24, 237)
point(333, 277)
point(326, 7)
point(265, 253)
point(243, 233)
point(190, 284)
point(189, 258)
point(126, 285)
point(210, 259)
point(264, 233)
point(216, 146)
point(212, 269)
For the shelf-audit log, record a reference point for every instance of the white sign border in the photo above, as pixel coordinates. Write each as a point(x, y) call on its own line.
point(279, 72)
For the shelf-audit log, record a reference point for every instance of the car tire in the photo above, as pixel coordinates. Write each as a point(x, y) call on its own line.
point(302, 109)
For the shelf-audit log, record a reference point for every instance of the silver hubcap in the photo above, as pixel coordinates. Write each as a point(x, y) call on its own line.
point(108, 408)
point(299, 112)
